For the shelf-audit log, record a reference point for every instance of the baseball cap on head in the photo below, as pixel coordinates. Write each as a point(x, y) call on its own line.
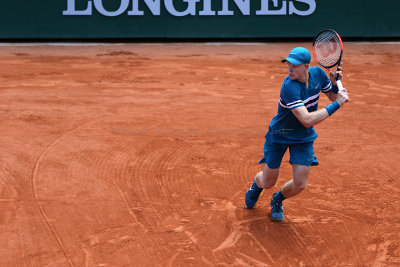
point(298, 55)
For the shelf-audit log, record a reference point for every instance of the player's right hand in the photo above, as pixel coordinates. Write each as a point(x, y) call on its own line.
point(333, 76)
point(342, 97)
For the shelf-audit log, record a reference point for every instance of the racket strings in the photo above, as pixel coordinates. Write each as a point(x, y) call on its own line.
point(327, 49)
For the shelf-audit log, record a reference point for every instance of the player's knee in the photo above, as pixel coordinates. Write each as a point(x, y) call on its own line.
point(300, 184)
point(260, 180)
point(265, 182)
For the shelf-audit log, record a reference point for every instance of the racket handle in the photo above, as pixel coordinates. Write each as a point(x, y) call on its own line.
point(339, 84)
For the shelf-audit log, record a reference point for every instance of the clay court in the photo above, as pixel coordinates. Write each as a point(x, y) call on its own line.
point(140, 155)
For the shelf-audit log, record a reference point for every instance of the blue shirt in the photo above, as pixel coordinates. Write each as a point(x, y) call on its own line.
point(285, 128)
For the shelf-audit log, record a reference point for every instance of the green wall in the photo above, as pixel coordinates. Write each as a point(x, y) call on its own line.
point(58, 19)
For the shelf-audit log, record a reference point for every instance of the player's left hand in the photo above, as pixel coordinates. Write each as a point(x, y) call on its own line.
point(334, 75)
point(342, 97)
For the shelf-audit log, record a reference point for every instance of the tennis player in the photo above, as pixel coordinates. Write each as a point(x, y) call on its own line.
point(292, 127)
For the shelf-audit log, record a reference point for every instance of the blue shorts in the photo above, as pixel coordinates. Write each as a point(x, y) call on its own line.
point(301, 154)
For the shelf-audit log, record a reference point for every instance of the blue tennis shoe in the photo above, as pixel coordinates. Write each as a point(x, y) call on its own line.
point(252, 195)
point(276, 210)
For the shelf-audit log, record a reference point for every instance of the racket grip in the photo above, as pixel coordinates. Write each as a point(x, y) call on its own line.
point(339, 84)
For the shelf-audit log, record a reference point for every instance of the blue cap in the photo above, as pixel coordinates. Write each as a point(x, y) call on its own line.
point(298, 55)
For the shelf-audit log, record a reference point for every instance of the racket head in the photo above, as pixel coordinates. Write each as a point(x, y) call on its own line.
point(328, 48)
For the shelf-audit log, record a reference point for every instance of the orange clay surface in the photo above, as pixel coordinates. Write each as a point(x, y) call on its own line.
point(140, 155)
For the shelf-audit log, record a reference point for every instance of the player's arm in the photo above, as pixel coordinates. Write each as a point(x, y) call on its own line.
point(308, 119)
point(332, 95)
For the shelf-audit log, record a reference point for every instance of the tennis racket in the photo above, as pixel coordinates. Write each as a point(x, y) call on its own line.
point(328, 50)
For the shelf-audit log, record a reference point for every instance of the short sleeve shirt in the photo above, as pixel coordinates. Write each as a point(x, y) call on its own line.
point(285, 127)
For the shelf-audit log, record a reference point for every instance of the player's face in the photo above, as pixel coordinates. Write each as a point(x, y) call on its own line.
point(298, 72)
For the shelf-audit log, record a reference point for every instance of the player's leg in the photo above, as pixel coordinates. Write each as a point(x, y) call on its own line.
point(301, 157)
point(264, 179)
point(267, 177)
point(273, 154)
point(299, 181)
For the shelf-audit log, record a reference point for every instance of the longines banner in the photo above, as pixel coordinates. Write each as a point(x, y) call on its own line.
point(69, 19)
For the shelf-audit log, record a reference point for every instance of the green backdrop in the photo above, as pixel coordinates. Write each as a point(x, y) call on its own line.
point(70, 19)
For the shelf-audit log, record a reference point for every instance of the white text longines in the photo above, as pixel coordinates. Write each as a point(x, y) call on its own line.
point(194, 8)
